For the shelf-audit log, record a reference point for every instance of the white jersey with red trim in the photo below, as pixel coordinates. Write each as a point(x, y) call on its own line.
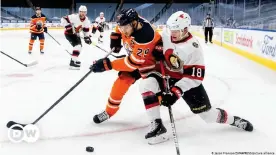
point(79, 24)
point(184, 61)
point(99, 20)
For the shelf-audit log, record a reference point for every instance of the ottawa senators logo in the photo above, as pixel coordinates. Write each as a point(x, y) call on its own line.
point(175, 62)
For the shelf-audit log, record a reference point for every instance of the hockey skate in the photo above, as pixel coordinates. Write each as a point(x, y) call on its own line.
point(74, 65)
point(101, 117)
point(157, 133)
point(242, 123)
point(41, 52)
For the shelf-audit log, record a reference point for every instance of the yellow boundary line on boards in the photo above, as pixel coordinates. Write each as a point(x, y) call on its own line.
point(263, 61)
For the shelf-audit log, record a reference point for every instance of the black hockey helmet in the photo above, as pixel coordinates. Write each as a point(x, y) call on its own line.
point(126, 16)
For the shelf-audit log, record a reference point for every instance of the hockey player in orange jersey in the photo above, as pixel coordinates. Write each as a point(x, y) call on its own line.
point(37, 29)
point(139, 39)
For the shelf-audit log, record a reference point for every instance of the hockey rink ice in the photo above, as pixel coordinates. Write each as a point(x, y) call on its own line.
point(233, 83)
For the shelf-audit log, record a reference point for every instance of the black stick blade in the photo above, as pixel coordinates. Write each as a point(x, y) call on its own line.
point(119, 56)
point(15, 126)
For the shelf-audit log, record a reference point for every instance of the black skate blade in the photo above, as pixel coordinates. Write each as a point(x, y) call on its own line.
point(12, 123)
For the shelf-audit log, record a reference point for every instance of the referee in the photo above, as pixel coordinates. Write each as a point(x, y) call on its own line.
point(208, 26)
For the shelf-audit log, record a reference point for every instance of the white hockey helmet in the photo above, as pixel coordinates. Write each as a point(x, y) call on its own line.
point(179, 20)
point(82, 8)
point(101, 13)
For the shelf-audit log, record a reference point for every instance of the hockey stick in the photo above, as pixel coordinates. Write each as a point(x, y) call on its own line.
point(115, 56)
point(14, 125)
point(167, 91)
point(31, 5)
point(26, 65)
point(58, 42)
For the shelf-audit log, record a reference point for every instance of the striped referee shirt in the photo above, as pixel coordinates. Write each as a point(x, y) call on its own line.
point(208, 22)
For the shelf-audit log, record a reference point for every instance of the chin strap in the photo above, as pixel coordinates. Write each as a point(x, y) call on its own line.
point(183, 36)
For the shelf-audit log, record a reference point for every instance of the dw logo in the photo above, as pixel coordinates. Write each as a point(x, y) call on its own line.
point(29, 133)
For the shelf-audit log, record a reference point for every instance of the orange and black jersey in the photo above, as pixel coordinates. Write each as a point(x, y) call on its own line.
point(34, 20)
point(139, 46)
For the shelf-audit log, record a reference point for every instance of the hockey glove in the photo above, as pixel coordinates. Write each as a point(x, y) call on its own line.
point(170, 99)
point(101, 65)
point(115, 42)
point(87, 40)
point(158, 52)
point(45, 29)
point(101, 24)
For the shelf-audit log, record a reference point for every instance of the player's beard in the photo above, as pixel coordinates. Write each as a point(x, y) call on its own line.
point(128, 34)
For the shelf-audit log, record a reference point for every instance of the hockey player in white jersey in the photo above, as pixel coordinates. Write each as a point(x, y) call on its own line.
point(183, 59)
point(99, 25)
point(74, 24)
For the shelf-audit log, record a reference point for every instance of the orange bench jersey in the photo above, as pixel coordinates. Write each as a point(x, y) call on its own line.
point(139, 46)
point(34, 20)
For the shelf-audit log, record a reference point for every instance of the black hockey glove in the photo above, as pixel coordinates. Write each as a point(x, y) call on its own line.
point(101, 65)
point(45, 29)
point(170, 99)
point(87, 40)
point(158, 51)
point(115, 42)
point(101, 24)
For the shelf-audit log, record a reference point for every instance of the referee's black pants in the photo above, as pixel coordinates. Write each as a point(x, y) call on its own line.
point(210, 31)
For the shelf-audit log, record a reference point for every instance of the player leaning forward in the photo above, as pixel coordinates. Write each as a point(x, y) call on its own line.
point(74, 24)
point(139, 39)
point(183, 60)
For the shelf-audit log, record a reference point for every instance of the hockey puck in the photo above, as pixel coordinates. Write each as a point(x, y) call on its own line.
point(89, 149)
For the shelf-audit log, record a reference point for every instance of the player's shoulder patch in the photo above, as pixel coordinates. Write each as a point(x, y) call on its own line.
point(145, 34)
point(195, 44)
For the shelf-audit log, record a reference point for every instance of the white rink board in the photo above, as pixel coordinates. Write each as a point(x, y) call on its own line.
point(261, 43)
